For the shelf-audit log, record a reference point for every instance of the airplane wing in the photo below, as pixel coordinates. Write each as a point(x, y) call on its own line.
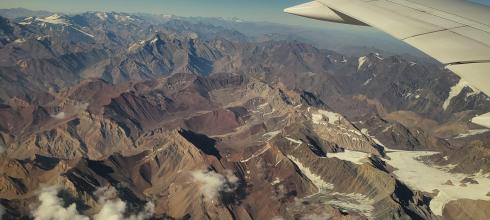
point(455, 32)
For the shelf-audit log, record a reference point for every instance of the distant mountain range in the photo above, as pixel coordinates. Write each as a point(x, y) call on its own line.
point(334, 37)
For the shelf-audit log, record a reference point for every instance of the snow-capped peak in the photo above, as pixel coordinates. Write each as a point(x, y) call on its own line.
point(26, 21)
point(123, 18)
point(102, 15)
point(361, 61)
point(54, 19)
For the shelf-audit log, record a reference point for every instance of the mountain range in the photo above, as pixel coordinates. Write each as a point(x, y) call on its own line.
point(136, 116)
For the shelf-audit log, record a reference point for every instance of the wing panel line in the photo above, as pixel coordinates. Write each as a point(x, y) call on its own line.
point(430, 32)
point(414, 5)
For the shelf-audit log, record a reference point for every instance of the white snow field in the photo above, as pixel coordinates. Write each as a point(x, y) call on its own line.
point(356, 157)
point(423, 177)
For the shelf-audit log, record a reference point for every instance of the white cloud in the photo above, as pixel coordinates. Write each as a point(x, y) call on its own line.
point(212, 183)
point(51, 207)
point(112, 207)
point(147, 213)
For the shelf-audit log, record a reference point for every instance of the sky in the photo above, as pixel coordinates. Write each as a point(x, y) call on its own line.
point(250, 10)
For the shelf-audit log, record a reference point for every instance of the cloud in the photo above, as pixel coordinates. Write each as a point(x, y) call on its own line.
point(147, 213)
point(212, 183)
point(51, 207)
point(112, 207)
point(111, 210)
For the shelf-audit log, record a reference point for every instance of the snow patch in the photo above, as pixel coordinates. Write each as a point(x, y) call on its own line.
point(322, 114)
point(20, 40)
point(57, 19)
point(353, 201)
point(424, 177)
point(27, 21)
point(123, 18)
point(262, 105)
point(294, 141)
point(456, 90)
point(378, 56)
point(366, 132)
point(83, 32)
point(258, 153)
point(483, 120)
point(472, 133)
point(102, 15)
point(317, 180)
point(276, 181)
point(272, 134)
point(154, 40)
point(361, 62)
point(59, 116)
point(53, 19)
point(316, 118)
point(356, 157)
point(387, 128)
point(367, 82)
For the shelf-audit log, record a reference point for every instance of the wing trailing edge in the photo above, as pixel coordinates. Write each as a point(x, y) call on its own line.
point(318, 11)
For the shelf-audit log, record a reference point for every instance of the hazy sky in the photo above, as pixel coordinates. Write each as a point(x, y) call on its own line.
point(255, 10)
point(252, 10)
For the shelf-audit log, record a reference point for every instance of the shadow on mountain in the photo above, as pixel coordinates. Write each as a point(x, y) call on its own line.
point(46, 163)
point(203, 142)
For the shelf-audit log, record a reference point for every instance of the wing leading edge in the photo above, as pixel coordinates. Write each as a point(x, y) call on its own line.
point(456, 33)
